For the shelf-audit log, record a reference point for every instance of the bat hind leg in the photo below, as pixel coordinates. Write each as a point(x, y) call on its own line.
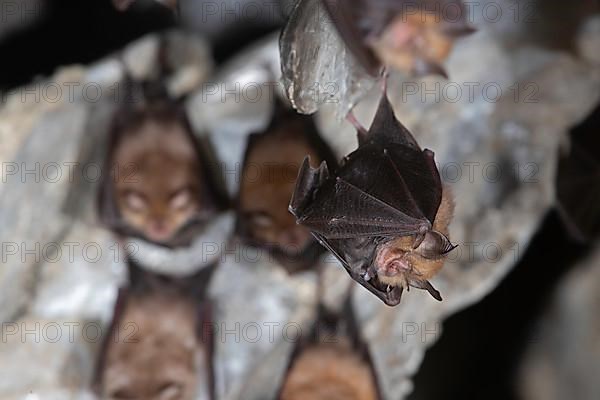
point(361, 131)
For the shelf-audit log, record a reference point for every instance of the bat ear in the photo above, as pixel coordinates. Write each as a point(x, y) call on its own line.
point(435, 245)
point(309, 179)
point(387, 129)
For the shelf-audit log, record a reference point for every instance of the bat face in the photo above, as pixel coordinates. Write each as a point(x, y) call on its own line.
point(270, 169)
point(152, 354)
point(384, 214)
point(156, 178)
point(329, 372)
point(410, 35)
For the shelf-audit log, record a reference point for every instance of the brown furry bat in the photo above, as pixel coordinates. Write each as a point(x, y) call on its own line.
point(333, 363)
point(411, 35)
point(384, 214)
point(155, 350)
point(160, 186)
point(271, 165)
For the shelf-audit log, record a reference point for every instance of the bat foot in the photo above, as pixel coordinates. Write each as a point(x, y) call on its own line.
point(384, 80)
point(360, 129)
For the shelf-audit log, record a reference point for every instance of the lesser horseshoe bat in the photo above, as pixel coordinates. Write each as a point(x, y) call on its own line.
point(384, 214)
point(156, 349)
point(271, 165)
point(412, 35)
point(159, 186)
point(333, 363)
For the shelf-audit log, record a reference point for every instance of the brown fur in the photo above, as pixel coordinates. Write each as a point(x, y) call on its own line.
point(329, 372)
point(152, 354)
point(412, 37)
point(156, 170)
point(268, 182)
point(422, 268)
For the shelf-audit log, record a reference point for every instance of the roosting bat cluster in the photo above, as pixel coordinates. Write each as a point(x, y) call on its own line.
point(383, 212)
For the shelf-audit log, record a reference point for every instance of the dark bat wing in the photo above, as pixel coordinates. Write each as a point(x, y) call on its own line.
point(386, 128)
point(356, 270)
point(380, 191)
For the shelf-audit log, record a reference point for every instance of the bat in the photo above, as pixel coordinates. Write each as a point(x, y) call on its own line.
point(384, 214)
point(272, 161)
point(155, 350)
point(333, 363)
point(411, 35)
point(160, 186)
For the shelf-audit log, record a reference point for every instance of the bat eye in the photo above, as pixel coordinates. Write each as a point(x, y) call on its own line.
point(122, 394)
point(180, 199)
point(435, 245)
point(170, 391)
point(135, 201)
point(260, 219)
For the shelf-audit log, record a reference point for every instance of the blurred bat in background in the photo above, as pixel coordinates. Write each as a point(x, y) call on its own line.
point(333, 363)
point(271, 165)
point(158, 347)
point(384, 214)
point(159, 187)
point(410, 35)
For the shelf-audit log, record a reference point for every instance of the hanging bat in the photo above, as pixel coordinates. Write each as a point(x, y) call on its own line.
point(384, 214)
point(332, 363)
point(159, 186)
point(155, 349)
point(411, 35)
point(271, 165)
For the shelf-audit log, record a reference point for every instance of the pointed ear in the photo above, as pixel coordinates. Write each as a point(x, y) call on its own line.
point(307, 182)
point(387, 129)
point(435, 245)
point(426, 285)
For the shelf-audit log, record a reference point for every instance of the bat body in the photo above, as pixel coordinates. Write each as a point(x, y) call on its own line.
point(330, 371)
point(384, 213)
point(271, 166)
point(411, 35)
point(332, 363)
point(159, 187)
point(156, 349)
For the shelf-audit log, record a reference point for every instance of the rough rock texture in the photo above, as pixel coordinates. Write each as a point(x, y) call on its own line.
point(564, 359)
point(260, 311)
